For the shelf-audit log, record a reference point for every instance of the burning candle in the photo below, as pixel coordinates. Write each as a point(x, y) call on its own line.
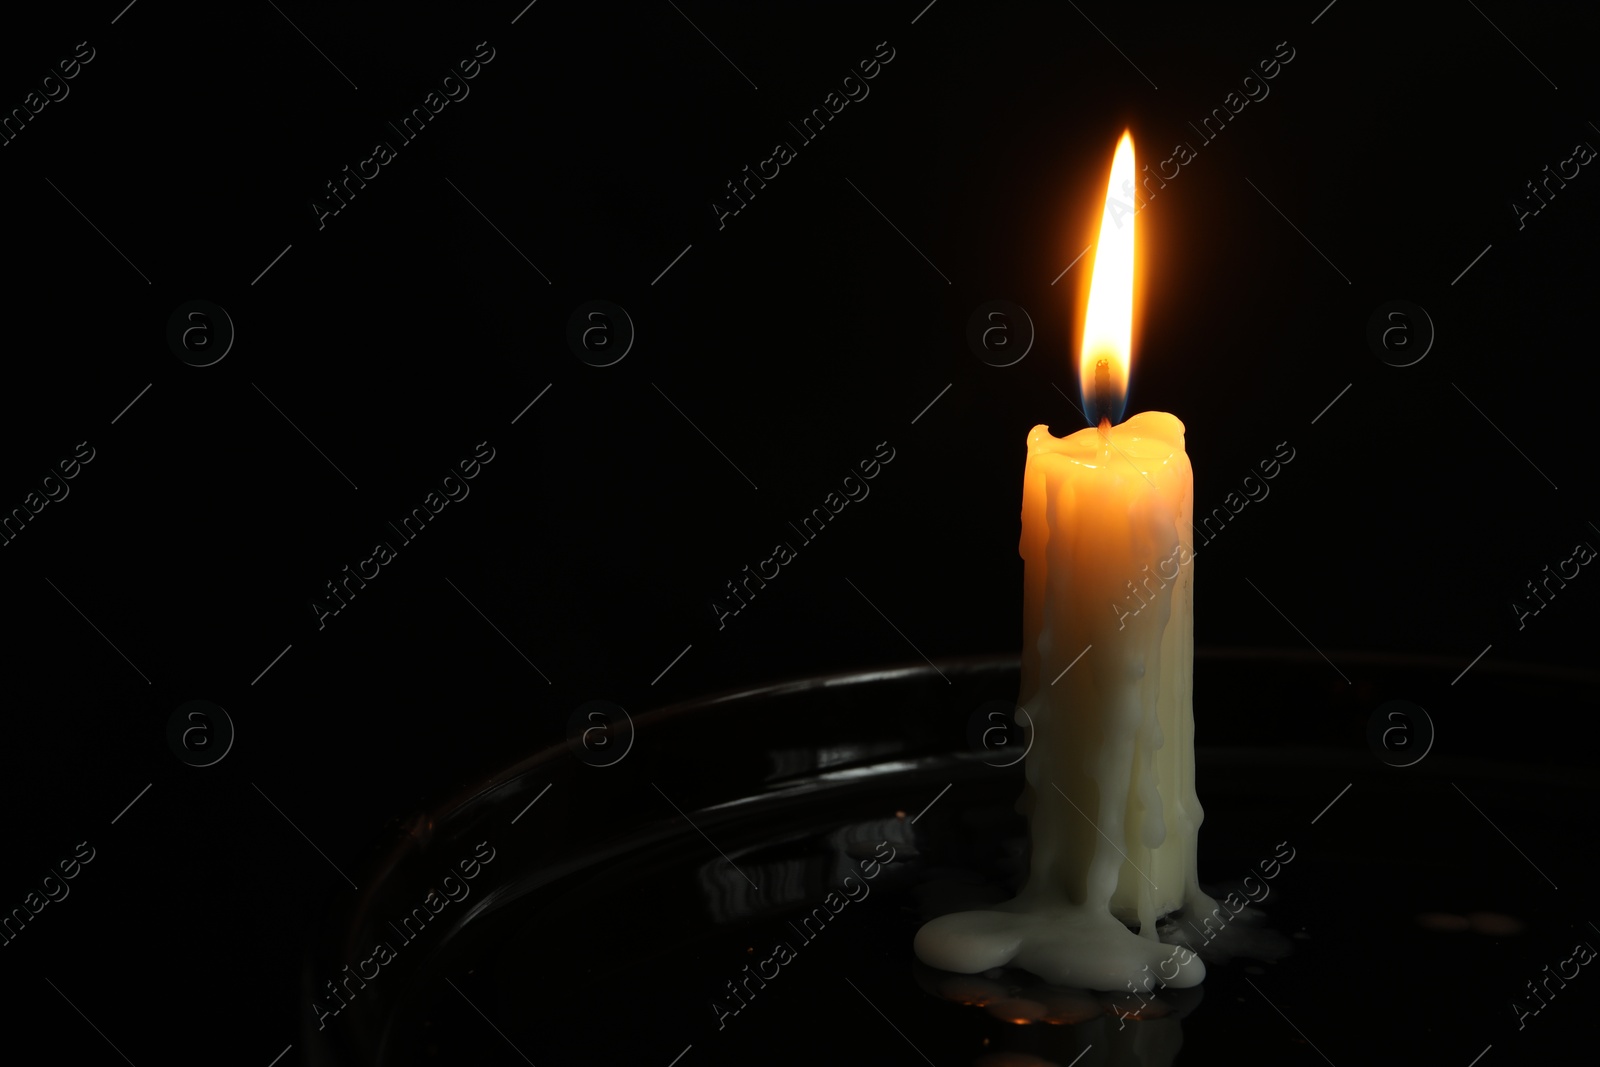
point(1107, 673)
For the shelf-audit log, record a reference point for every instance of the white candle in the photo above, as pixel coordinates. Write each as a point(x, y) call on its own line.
point(1107, 673)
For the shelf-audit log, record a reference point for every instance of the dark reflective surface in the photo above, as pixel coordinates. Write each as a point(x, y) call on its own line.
point(748, 879)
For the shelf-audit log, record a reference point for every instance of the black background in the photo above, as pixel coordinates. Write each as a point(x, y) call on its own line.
point(818, 322)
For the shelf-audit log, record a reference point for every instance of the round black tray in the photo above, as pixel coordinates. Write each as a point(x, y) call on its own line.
point(595, 903)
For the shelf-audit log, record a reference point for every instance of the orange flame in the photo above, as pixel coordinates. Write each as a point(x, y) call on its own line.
point(1106, 352)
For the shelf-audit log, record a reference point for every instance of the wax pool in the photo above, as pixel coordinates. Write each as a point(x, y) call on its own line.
point(1107, 674)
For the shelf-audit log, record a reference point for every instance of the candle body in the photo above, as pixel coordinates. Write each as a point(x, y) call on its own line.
point(1106, 545)
point(1107, 672)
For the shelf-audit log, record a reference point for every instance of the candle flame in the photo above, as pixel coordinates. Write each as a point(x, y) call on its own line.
point(1107, 347)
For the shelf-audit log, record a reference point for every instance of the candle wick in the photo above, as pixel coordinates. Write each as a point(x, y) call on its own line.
point(1102, 392)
